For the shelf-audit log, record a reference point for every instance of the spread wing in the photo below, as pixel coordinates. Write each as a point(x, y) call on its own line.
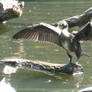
point(39, 32)
point(85, 34)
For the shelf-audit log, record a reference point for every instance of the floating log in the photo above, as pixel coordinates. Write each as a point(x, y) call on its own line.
point(48, 68)
point(10, 9)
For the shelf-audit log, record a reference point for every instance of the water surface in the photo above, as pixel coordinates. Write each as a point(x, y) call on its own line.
point(31, 81)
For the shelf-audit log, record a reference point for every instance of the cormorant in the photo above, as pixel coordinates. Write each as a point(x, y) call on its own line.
point(59, 35)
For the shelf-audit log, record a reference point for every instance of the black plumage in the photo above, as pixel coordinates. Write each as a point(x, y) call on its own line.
point(69, 41)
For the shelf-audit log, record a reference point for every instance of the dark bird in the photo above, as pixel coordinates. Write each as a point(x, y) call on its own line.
point(59, 35)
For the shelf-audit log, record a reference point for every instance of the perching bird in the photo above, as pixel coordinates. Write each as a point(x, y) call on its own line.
point(59, 35)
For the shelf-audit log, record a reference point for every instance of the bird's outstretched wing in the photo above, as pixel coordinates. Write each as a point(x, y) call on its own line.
point(85, 34)
point(40, 32)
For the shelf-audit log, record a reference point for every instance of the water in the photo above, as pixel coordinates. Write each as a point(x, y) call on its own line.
point(32, 81)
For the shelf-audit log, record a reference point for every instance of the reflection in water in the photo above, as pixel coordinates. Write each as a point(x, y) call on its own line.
point(77, 79)
point(3, 28)
point(5, 86)
point(18, 48)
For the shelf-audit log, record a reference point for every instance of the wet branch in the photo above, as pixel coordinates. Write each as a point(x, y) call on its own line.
point(41, 66)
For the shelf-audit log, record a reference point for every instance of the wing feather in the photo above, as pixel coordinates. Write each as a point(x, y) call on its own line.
point(39, 33)
point(85, 34)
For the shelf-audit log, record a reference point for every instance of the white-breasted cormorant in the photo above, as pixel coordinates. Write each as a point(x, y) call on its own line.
point(59, 35)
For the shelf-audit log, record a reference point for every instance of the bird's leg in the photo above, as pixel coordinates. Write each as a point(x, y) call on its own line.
point(77, 60)
point(70, 58)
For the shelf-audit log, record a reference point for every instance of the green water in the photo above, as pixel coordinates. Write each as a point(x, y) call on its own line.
point(31, 81)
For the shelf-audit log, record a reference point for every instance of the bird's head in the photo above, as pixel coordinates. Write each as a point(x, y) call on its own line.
point(63, 28)
point(62, 24)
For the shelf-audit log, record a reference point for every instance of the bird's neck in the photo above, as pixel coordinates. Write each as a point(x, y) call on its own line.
point(65, 32)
